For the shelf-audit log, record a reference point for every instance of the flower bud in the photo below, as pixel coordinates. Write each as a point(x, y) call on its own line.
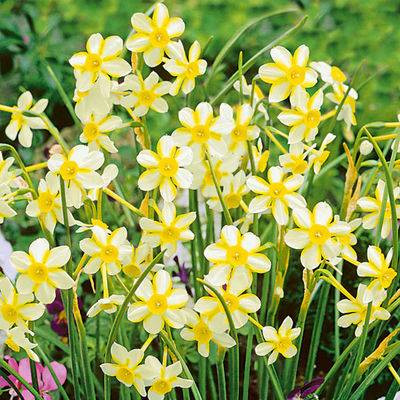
point(365, 147)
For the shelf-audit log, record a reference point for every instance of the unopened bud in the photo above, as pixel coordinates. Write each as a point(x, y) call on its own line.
point(366, 147)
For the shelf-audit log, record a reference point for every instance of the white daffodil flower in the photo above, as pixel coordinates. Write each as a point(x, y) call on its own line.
point(166, 168)
point(126, 367)
point(47, 207)
point(17, 308)
point(41, 270)
point(199, 330)
point(21, 125)
point(153, 35)
point(144, 94)
point(279, 341)
point(101, 58)
point(108, 251)
point(159, 304)
point(279, 194)
point(316, 234)
point(78, 170)
point(169, 230)
point(232, 251)
point(288, 74)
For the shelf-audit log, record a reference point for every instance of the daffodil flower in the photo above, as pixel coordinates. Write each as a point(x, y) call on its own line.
point(356, 309)
point(17, 308)
point(279, 194)
point(144, 94)
point(234, 188)
point(186, 69)
point(241, 129)
point(201, 131)
point(16, 339)
point(199, 330)
point(101, 58)
point(6, 176)
point(109, 305)
point(260, 157)
point(6, 197)
point(295, 161)
point(41, 270)
point(106, 250)
point(279, 341)
point(78, 170)
point(153, 35)
point(169, 230)
point(47, 207)
point(288, 75)
point(304, 118)
point(139, 261)
point(315, 234)
point(95, 127)
point(329, 73)
point(372, 206)
point(165, 169)
point(21, 125)
point(377, 267)
point(164, 378)
point(158, 304)
point(240, 304)
point(232, 251)
point(126, 367)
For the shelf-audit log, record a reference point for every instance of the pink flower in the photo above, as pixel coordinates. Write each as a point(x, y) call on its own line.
point(45, 379)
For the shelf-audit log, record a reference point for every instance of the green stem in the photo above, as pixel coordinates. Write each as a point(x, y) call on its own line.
point(118, 319)
point(218, 189)
point(43, 356)
point(247, 365)
point(221, 377)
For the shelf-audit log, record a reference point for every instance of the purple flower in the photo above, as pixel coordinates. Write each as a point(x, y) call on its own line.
point(183, 275)
point(307, 389)
point(59, 322)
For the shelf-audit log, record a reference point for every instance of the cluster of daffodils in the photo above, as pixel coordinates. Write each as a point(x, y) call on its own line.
point(226, 183)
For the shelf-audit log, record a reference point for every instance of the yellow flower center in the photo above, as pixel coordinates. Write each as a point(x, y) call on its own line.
point(387, 277)
point(233, 200)
point(236, 256)
point(239, 133)
point(318, 234)
point(45, 201)
point(192, 70)
point(312, 119)
point(202, 332)
point(231, 301)
point(69, 170)
point(91, 131)
point(162, 386)
point(159, 38)
point(38, 272)
point(93, 63)
point(125, 375)
point(200, 133)
point(109, 253)
point(168, 167)
point(298, 165)
point(277, 190)
point(296, 75)
point(283, 344)
point(132, 270)
point(170, 234)
point(18, 117)
point(146, 97)
point(337, 74)
point(157, 304)
point(107, 306)
point(9, 313)
point(208, 179)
